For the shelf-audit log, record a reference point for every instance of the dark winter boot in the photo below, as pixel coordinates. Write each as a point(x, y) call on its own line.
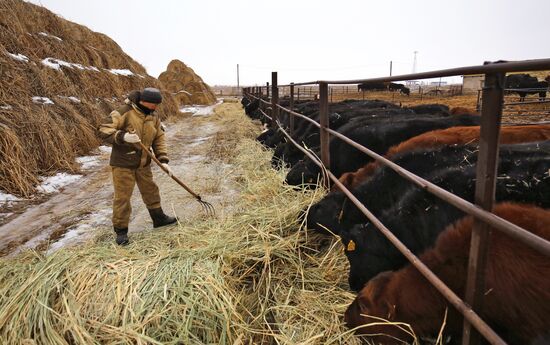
point(122, 236)
point(160, 218)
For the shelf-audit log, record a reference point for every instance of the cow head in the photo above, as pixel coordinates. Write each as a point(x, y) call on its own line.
point(374, 304)
point(325, 213)
point(303, 173)
point(367, 252)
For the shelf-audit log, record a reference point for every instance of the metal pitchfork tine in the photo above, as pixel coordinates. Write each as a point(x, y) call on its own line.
point(207, 207)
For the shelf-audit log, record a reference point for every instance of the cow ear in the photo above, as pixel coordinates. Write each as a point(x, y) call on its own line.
point(380, 283)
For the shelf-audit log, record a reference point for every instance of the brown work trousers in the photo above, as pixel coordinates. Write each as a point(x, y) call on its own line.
point(124, 180)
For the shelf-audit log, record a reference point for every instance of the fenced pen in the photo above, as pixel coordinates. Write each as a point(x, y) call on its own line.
point(491, 108)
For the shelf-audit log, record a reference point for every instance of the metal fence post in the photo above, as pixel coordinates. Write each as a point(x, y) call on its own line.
point(323, 117)
point(291, 119)
point(267, 90)
point(274, 99)
point(487, 164)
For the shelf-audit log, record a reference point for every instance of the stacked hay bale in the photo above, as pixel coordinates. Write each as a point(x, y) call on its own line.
point(59, 79)
point(187, 87)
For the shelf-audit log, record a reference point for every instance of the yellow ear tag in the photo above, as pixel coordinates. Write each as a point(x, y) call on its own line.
point(351, 246)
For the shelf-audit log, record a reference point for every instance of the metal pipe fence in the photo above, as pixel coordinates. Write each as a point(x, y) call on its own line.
point(492, 102)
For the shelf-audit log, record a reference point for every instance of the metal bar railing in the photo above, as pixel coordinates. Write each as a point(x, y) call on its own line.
point(515, 66)
point(538, 243)
point(468, 313)
point(485, 186)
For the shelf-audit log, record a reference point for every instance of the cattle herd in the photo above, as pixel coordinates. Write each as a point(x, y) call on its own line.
point(440, 145)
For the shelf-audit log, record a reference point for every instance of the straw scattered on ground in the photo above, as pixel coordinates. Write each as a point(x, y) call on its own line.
point(252, 277)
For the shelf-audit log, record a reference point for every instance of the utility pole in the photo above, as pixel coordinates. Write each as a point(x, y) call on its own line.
point(391, 62)
point(414, 62)
point(237, 76)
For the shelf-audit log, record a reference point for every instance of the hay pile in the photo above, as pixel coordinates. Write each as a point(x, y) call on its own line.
point(58, 80)
point(186, 86)
point(254, 277)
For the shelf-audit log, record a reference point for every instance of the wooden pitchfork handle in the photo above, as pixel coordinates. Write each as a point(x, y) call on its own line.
point(143, 147)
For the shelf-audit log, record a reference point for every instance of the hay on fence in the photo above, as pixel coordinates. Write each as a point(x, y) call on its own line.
point(253, 277)
point(48, 137)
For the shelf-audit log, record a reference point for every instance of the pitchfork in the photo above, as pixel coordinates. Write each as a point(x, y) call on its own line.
point(207, 207)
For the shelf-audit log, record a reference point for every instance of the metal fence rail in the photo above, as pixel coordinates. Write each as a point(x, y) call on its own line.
point(492, 105)
point(468, 313)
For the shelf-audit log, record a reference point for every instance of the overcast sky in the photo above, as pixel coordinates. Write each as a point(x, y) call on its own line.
point(307, 40)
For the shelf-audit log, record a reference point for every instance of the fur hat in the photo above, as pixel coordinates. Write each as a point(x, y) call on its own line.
point(151, 95)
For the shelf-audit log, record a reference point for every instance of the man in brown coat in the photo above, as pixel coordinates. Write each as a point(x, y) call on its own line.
point(124, 128)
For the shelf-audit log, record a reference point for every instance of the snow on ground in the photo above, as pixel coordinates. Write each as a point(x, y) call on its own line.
point(200, 110)
point(7, 199)
point(42, 100)
point(125, 72)
point(105, 149)
point(19, 57)
point(54, 183)
point(45, 34)
point(82, 231)
point(5, 107)
point(88, 162)
point(198, 141)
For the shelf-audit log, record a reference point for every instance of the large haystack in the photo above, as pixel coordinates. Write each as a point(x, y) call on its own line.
point(187, 87)
point(58, 80)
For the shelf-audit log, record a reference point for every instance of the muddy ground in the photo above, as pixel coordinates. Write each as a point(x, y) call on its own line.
point(82, 210)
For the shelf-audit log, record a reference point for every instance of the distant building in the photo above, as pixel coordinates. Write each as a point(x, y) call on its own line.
point(473, 82)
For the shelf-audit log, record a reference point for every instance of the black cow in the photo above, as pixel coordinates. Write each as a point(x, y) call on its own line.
point(521, 83)
point(430, 109)
point(395, 86)
point(418, 216)
point(371, 87)
point(340, 113)
point(335, 212)
point(405, 90)
point(377, 137)
point(245, 101)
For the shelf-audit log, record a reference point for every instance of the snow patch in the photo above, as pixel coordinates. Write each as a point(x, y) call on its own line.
point(105, 149)
point(71, 98)
point(82, 231)
point(42, 100)
point(199, 141)
point(7, 200)
point(194, 159)
point(54, 183)
point(19, 57)
point(185, 92)
point(6, 107)
point(45, 34)
point(125, 72)
point(57, 63)
point(200, 110)
point(88, 162)
point(5, 215)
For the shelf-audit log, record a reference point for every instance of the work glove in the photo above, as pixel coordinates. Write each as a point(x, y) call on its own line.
point(131, 138)
point(168, 169)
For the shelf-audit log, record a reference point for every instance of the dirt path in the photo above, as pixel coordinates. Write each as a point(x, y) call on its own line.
point(83, 209)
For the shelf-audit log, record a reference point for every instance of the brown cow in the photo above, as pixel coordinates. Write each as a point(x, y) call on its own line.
point(517, 298)
point(462, 111)
point(449, 136)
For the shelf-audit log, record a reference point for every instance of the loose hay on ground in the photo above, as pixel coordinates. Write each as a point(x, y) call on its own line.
point(251, 277)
